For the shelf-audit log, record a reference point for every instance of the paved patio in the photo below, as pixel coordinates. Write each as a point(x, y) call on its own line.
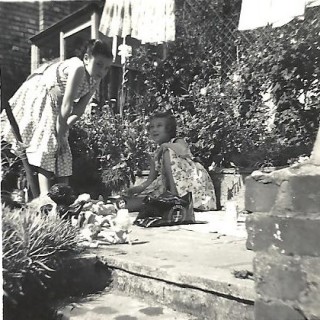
point(193, 254)
point(190, 269)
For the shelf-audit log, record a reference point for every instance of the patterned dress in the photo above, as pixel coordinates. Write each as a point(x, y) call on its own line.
point(189, 176)
point(35, 106)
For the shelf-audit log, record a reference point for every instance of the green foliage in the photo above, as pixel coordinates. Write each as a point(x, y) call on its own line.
point(110, 149)
point(215, 128)
point(12, 171)
point(216, 81)
point(32, 246)
point(286, 61)
point(227, 121)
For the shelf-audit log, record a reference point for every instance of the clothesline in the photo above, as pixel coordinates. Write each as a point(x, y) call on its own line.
point(260, 13)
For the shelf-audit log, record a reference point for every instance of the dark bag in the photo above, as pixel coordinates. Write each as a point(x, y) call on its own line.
point(166, 210)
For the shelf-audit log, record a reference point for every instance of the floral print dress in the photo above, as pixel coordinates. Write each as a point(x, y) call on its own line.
point(189, 176)
point(36, 106)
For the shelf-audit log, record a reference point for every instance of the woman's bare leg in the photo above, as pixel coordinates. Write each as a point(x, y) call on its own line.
point(45, 181)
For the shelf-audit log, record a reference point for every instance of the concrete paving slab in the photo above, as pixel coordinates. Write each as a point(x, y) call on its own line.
point(115, 306)
point(203, 260)
point(167, 270)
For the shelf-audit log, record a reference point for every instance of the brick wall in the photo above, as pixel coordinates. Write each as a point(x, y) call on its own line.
point(53, 11)
point(287, 245)
point(18, 22)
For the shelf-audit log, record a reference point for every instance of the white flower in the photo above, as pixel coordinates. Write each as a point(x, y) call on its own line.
point(212, 166)
point(125, 51)
point(203, 91)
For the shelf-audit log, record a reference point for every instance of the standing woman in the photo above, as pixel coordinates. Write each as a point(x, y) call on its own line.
point(48, 103)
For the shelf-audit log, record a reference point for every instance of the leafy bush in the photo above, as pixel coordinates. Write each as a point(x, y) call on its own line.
point(222, 112)
point(208, 114)
point(32, 246)
point(229, 120)
point(215, 128)
point(12, 171)
point(109, 149)
point(285, 62)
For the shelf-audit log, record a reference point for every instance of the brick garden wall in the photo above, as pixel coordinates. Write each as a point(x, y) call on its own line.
point(287, 245)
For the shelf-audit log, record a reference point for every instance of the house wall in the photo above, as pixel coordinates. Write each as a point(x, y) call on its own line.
point(52, 11)
point(18, 22)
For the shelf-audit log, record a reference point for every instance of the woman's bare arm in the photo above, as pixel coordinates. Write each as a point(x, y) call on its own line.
point(75, 77)
point(80, 106)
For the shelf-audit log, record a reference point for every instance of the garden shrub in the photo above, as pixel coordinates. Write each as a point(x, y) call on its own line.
point(33, 245)
point(215, 128)
point(109, 149)
point(208, 114)
point(283, 62)
point(12, 171)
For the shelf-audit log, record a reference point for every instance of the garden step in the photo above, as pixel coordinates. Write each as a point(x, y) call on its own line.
point(114, 305)
point(189, 271)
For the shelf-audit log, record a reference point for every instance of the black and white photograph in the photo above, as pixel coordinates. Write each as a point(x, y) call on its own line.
point(160, 159)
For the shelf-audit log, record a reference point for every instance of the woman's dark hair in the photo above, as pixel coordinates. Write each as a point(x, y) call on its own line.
point(97, 47)
point(171, 123)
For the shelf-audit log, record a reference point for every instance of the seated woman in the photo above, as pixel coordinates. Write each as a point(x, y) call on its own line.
point(173, 169)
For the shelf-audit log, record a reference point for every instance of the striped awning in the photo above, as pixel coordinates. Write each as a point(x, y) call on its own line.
point(150, 21)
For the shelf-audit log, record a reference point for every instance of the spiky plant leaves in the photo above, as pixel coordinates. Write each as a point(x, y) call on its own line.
point(33, 245)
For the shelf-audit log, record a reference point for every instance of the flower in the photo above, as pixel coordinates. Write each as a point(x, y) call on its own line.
point(212, 166)
point(125, 51)
point(203, 91)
